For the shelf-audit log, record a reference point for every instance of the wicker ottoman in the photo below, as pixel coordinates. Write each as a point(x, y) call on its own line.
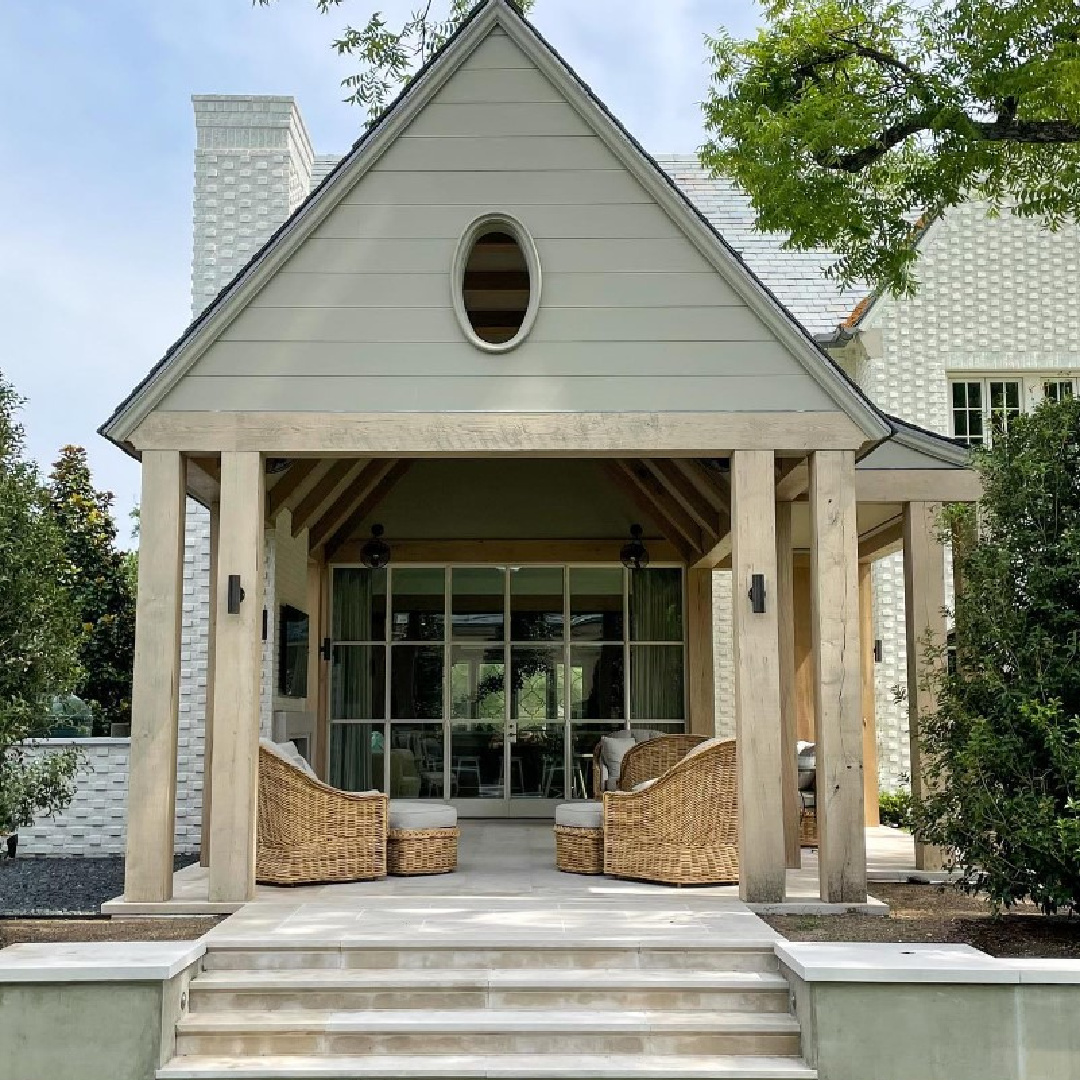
point(579, 838)
point(421, 838)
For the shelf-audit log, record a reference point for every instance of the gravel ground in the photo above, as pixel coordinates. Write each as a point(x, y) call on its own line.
point(62, 886)
point(932, 913)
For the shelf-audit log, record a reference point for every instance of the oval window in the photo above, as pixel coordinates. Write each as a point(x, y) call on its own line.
point(497, 283)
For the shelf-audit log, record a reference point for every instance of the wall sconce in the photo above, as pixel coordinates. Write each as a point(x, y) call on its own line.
point(757, 593)
point(878, 651)
point(235, 594)
point(634, 555)
point(376, 552)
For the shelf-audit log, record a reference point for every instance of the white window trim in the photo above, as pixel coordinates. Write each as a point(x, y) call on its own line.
point(1032, 391)
point(507, 223)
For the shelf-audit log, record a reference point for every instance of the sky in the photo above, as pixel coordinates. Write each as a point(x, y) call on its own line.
point(96, 163)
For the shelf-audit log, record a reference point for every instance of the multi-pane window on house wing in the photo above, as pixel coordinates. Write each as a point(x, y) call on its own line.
point(980, 406)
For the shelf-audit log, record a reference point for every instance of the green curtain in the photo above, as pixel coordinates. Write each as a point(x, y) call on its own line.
point(656, 671)
point(353, 764)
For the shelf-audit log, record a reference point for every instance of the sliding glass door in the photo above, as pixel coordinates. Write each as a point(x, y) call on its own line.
point(490, 686)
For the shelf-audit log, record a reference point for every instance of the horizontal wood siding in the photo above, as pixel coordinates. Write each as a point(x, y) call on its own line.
point(626, 359)
point(495, 393)
point(632, 316)
point(611, 290)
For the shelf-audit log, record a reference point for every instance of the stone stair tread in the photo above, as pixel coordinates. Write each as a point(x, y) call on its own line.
point(494, 1066)
point(467, 1021)
point(516, 979)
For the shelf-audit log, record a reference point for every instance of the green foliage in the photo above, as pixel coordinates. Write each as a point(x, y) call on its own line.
point(38, 644)
point(1002, 749)
point(97, 576)
point(846, 120)
point(894, 808)
point(389, 55)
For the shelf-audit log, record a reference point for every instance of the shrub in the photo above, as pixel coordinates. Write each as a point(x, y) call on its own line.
point(894, 808)
point(1002, 747)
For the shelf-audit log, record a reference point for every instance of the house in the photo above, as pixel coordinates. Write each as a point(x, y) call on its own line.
point(499, 346)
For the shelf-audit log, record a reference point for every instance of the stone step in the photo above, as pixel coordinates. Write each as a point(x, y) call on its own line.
point(489, 1067)
point(486, 1031)
point(544, 988)
point(747, 955)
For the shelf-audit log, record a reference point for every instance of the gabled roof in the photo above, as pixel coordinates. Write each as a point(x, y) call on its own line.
point(691, 221)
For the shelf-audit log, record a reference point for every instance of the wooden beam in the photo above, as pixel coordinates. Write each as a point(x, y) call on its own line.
point(717, 555)
point(789, 711)
point(886, 539)
point(484, 434)
point(329, 487)
point(700, 620)
point(350, 498)
point(838, 701)
point(917, 485)
point(680, 487)
point(155, 688)
point(238, 673)
point(208, 713)
point(290, 484)
point(367, 506)
point(794, 481)
point(314, 593)
point(871, 803)
point(707, 483)
point(924, 611)
point(512, 552)
point(670, 508)
point(762, 872)
point(636, 494)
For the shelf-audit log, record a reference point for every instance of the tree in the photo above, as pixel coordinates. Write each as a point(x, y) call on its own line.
point(37, 632)
point(99, 582)
point(388, 55)
point(847, 120)
point(1002, 747)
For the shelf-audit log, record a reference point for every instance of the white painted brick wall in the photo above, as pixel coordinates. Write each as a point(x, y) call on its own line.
point(94, 823)
point(995, 295)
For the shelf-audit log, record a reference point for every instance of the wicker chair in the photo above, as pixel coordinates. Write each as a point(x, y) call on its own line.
point(646, 760)
point(682, 830)
point(309, 832)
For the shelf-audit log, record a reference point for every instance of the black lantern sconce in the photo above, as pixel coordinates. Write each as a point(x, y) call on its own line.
point(376, 552)
point(235, 595)
point(757, 594)
point(634, 555)
point(878, 651)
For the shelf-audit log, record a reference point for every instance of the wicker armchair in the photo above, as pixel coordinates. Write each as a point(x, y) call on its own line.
point(682, 830)
point(646, 760)
point(309, 832)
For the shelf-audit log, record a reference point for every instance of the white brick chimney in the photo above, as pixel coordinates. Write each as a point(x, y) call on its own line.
point(253, 167)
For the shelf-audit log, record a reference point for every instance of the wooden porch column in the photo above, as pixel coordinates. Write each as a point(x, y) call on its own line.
point(762, 873)
point(238, 664)
point(700, 625)
point(314, 592)
point(924, 603)
point(208, 714)
point(155, 692)
point(834, 561)
point(789, 718)
point(871, 804)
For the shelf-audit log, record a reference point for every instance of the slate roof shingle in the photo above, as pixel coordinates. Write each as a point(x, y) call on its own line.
point(797, 278)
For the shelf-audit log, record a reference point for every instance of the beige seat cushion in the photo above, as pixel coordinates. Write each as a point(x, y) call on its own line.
point(613, 749)
point(708, 744)
point(645, 784)
point(407, 814)
point(580, 815)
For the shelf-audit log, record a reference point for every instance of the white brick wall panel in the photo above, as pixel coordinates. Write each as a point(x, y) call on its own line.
point(994, 296)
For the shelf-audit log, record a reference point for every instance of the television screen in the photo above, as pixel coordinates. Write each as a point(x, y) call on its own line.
point(292, 652)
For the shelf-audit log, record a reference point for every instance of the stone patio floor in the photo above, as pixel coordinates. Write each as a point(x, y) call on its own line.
point(514, 861)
